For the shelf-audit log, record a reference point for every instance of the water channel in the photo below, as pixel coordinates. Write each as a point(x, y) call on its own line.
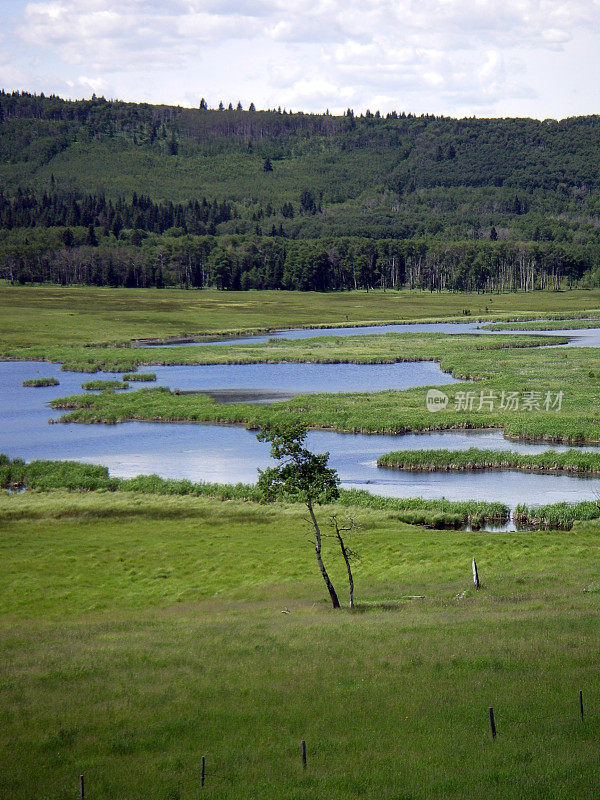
point(231, 453)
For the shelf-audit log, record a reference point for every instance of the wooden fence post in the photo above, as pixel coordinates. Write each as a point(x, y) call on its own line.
point(303, 754)
point(81, 788)
point(492, 723)
point(475, 575)
point(202, 771)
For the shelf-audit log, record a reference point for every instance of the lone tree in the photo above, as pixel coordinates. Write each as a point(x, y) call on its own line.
point(302, 475)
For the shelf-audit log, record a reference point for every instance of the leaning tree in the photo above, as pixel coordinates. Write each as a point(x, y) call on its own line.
point(302, 475)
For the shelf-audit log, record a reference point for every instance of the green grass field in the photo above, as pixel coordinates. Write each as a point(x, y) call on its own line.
point(139, 633)
point(50, 315)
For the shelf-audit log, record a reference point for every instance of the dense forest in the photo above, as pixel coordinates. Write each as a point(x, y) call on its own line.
point(122, 194)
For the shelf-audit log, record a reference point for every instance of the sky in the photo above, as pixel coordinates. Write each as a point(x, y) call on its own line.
point(534, 58)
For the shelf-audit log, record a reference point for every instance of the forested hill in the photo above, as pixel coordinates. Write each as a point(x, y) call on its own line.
point(384, 168)
point(134, 172)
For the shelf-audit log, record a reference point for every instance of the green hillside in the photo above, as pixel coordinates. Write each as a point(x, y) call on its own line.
point(294, 176)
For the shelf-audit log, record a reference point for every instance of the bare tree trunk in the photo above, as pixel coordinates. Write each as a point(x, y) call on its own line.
point(332, 593)
point(347, 560)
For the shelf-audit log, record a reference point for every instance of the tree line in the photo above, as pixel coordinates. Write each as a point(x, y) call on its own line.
point(324, 264)
point(27, 209)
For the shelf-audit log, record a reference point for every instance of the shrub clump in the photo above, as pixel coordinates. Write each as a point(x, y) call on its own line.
point(557, 516)
point(569, 462)
point(41, 382)
point(102, 386)
point(139, 376)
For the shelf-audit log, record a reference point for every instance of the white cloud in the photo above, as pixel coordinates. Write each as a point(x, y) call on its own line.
point(450, 54)
point(85, 85)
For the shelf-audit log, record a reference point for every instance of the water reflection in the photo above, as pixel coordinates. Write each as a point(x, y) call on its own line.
point(231, 454)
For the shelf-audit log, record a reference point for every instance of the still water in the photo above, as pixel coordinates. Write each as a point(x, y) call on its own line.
point(231, 454)
point(586, 337)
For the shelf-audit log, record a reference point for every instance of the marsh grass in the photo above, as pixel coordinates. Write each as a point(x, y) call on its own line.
point(139, 376)
point(134, 644)
point(15, 474)
point(557, 516)
point(47, 315)
point(103, 386)
point(38, 382)
point(492, 364)
point(571, 461)
point(44, 476)
point(556, 323)
point(386, 348)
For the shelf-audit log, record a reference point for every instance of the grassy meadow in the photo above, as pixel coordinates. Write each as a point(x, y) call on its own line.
point(53, 315)
point(139, 633)
point(145, 623)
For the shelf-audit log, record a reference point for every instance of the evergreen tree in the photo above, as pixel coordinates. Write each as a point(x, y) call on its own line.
point(307, 202)
point(117, 226)
point(68, 239)
point(90, 238)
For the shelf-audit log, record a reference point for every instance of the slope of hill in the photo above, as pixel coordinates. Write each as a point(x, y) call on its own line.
point(296, 176)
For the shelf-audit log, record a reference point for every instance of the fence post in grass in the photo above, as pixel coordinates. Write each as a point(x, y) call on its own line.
point(475, 575)
point(303, 754)
point(492, 723)
point(581, 703)
point(202, 771)
point(81, 788)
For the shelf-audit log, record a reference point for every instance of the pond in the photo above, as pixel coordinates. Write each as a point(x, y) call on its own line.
point(230, 454)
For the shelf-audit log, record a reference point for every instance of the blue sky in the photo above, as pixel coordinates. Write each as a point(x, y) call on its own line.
point(458, 57)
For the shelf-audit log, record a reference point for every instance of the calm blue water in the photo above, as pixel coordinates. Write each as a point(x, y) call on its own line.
point(588, 337)
point(231, 454)
point(364, 330)
point(301, 378)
